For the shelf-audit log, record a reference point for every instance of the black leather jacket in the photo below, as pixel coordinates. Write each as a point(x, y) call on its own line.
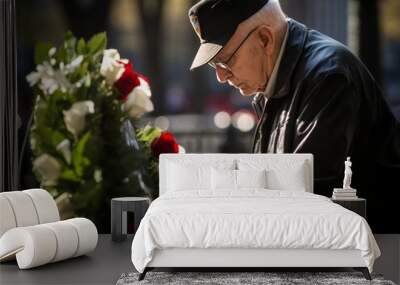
point(328, 104)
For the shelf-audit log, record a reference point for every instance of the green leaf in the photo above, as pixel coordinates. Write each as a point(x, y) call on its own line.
point(52, 137)
point(81, 47)
point(42, 52)
point(61, 55)
point(57, 137)
point(148, 134)
point(83, 69)
point(69, 174)
point(79, 161)
point(69, 35)
point(70, 40)
point(69, 46)
point(88, 80)
point(97, 43)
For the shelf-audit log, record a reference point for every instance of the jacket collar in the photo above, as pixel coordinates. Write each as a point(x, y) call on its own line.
point(291, 56)
point(293, 50)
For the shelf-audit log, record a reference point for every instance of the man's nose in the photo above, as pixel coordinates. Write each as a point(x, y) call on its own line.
point(222, 74)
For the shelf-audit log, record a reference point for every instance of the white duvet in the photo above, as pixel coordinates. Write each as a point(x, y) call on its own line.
point(254, 218)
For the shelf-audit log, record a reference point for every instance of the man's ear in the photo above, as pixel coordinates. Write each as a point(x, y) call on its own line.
point(266, 38)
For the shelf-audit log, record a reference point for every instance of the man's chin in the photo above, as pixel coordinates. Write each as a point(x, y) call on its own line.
point(246, 92)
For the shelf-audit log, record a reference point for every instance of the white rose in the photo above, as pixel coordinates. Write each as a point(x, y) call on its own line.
point(74, 118)
point(138, 101)
point(112, 66)
point(65, 148)
point(48, 167)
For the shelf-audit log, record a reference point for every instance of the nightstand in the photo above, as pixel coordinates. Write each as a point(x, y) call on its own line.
point(358, 205)
point(119, 208)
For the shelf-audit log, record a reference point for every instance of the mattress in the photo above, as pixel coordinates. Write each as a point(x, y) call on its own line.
point(251, 219)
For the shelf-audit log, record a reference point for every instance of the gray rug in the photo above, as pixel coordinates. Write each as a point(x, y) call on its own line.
point(269, 278)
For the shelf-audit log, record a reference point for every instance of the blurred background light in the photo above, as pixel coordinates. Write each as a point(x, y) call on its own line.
point(243, 121)
point(222, 120)
point(162, 122)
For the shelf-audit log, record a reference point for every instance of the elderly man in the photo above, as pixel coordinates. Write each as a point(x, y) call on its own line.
point(312, 95)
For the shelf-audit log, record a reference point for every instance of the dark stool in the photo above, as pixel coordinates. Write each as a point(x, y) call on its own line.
point(357, 205)
point(119, 208)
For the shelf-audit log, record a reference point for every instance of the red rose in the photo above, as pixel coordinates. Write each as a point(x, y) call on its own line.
point(165, 143)
point(128, 80)
point(145, 78)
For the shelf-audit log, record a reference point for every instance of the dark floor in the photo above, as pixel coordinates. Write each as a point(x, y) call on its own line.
point(110, 260)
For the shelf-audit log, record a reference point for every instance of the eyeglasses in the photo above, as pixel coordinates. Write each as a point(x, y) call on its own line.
point(225, 65)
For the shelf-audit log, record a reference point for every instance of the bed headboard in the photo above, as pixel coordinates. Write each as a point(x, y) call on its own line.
point(286, 161)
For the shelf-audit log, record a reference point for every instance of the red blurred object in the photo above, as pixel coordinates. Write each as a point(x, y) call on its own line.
point(165, 143)
point(128, 80)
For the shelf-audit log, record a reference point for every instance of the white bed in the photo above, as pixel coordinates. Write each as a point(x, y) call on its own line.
point(200, 220)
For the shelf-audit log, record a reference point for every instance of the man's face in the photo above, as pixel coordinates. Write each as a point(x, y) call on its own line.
point(243, 64)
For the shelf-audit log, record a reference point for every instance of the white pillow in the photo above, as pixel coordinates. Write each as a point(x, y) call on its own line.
point(223, 179)
point(282, 174)
point(251, 178)
point(182, 177)
point(236, 179)
point(292, 179)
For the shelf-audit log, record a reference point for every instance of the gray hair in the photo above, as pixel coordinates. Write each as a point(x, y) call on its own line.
point(270, 15)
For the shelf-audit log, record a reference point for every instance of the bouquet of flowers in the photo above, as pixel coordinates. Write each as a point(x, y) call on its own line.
point(155, 142)
point(85, 125)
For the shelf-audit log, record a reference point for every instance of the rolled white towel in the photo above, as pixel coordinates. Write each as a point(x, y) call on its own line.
point(45, 205)
point(23, 208)
point(87, 233)
point(67, 240)
point(26, 208)
point(33, 246)
point(7, 218)
point(40, 244)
